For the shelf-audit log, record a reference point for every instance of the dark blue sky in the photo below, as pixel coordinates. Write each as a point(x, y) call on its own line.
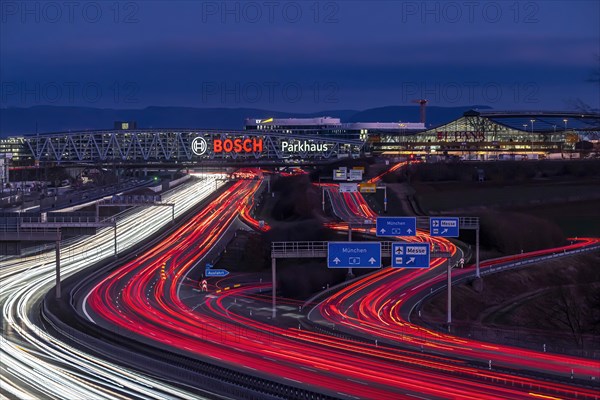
point(299, 55)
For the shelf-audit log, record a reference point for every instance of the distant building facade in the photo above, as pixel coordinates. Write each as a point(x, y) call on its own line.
point(331, 127)
point(490, 135)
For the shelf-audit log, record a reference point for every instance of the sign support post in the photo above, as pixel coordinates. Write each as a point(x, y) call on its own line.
point(449, 318)
point(350, 275)
point(274, 279)
point(57, 249)
point(477, 274)
point(385, 199)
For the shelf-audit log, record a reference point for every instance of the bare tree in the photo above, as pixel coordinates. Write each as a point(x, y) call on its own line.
point(579, 104)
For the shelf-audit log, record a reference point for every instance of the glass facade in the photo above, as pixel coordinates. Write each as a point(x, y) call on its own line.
point(484, 136)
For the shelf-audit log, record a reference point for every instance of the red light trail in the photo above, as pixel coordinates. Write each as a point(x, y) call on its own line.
point(135, 299)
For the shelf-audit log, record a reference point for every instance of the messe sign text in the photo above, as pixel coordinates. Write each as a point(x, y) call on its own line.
point(410, 255)
point(444, 226)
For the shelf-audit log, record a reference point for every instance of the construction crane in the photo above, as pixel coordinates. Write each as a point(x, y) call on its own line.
point(422, 103)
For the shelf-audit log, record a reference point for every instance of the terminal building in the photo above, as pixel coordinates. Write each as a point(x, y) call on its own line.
point(499, 135)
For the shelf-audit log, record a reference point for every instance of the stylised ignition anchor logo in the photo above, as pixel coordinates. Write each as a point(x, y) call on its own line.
point(199, 146)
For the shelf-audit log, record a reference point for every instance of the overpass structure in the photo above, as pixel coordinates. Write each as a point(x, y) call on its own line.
point(185, 147)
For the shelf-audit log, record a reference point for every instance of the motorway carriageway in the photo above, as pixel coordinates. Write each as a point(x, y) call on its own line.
point(35, 365)
point(378, 307)
point(137, 298)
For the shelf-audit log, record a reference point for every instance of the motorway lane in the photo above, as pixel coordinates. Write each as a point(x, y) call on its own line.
point(372, 307)
point(348, 206)
point(138, 299)
point(446, 369)
point(36, 365)
point(378, 307)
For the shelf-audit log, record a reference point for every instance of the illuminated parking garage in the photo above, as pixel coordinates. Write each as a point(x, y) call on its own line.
point(184, 147)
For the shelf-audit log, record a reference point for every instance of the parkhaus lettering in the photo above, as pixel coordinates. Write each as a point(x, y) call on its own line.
point(303, 147)
point(238, 145)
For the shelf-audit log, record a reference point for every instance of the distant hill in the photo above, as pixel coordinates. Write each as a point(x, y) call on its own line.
point(434, 115)
point(18, 121)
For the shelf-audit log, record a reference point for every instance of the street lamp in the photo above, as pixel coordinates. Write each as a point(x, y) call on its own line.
point(525, 130)
point(565, 121)
point(531, 138)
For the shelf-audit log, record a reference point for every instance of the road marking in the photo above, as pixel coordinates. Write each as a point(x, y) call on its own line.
point(84, 306)
point(353, 380)
point(347, 395)
point(418, 397)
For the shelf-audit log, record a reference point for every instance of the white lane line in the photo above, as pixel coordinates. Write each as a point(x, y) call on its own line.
point(84, 307)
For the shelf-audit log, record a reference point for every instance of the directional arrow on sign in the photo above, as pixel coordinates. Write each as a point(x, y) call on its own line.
point(354, 254)
point(409, 231)
point(382, 231)
point(410, 260)
point(216, 272)
point(445, 231)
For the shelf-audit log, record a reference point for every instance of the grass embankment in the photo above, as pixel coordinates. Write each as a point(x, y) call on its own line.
point(555, 302)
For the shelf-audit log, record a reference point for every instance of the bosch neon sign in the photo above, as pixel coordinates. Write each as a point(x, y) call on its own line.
point(238, 145)
point(199, 146)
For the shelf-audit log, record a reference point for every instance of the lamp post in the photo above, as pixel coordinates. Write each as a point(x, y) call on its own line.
point(531, 138)
point(525, 129)
point(565, 135)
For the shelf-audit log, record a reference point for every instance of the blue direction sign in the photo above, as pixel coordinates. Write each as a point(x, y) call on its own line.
point(444, 226)
point(410, 255)
point(354, 255)
point(215, 272)
point(396, 226)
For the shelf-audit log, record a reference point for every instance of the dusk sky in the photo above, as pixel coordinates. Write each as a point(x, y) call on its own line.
point(299, 56)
